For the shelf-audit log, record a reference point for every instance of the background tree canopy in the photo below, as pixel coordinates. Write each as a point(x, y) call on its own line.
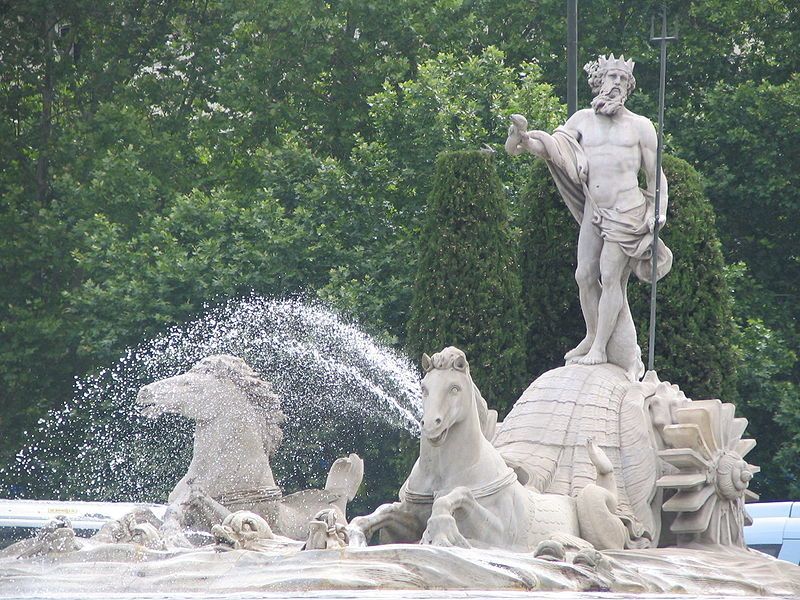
point(158, 157)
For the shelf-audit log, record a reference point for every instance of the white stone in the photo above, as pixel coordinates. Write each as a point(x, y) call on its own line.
point(595, 160)
point(462, 493)
point(237, 426)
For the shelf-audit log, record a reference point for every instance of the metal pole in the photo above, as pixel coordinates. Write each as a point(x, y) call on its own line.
point(663, 39)
point(572, 57)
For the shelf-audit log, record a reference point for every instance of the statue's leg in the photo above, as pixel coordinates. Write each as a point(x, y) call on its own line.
point(201, 511)
point(173, 519)
point(613, 262)
point(598, 523)
point(602, 464)
point(590, 245)
point(443, 530)
point(404, 522)
point(345, 478)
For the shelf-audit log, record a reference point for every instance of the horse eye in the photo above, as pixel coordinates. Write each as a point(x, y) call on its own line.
point(455, 389)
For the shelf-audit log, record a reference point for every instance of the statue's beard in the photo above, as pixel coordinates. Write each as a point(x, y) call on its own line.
point(607, 103)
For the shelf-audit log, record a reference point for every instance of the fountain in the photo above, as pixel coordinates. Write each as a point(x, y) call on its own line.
point(362, 388)
point(602, 478)
point(489, 532)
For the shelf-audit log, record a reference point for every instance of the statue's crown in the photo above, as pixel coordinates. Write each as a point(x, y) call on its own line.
point(605, 63)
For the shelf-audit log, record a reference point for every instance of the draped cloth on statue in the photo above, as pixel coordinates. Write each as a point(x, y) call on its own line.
point(625, 226)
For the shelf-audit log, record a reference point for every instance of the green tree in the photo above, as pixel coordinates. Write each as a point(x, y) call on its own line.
point(720, 41)
point(695, 335)
point(547, 259)
point(768, 393)
point(56, 71)
point(467, 290)
point(325, 119)
point(206, 248)
point(749, 157)
point(391, 171)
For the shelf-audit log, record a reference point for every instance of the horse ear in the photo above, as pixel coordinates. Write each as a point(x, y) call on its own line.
point(460, 363)
point(427, 365)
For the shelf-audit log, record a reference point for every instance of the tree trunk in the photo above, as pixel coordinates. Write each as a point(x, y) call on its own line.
point(45, 119)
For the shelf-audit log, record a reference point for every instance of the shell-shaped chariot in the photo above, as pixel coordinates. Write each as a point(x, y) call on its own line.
point(639, 426)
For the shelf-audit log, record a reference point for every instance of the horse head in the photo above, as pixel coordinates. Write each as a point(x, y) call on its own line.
point(449, 397)
point(217, 387)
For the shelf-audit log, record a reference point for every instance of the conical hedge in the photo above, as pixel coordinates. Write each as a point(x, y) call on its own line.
point(695, 333)
point(548, 249)
point(467, 289)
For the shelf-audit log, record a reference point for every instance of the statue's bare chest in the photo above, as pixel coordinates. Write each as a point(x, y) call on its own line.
point(603, 133)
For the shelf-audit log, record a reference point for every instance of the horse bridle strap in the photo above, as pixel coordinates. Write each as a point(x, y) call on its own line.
point(263, 494)
point(491, 488)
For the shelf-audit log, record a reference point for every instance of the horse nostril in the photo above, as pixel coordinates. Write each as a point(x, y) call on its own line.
point(438, 421)
point(422, 422)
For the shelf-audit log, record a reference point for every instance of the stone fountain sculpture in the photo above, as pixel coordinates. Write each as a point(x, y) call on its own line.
point(228, 494)
point(462, 493)
point(598, 479)
point(237, 428)
point(595, 160)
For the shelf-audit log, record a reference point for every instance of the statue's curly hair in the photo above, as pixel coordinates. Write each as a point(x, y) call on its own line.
point(595, 74)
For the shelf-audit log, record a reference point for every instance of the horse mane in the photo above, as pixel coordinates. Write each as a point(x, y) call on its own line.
point(257, 391)
point(483, 409)
point(453, 358)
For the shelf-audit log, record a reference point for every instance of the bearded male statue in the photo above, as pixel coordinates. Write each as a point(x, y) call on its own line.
point(595, 160)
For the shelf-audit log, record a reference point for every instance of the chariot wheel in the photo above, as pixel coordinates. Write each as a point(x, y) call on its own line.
point(712, 479)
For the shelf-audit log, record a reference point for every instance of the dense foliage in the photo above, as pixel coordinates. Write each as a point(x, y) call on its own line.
point(753, 172)
point(696, 340)
point(549, 235)
point(156, 157)
point(467, 290)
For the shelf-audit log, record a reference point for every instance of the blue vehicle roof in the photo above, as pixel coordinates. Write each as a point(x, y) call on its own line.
point(773, 509)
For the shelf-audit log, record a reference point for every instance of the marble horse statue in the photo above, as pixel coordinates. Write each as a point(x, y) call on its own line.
point(237, 427)
point(462, 493)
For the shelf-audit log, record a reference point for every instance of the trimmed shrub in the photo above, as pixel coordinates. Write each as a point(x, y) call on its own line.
point(467, 290)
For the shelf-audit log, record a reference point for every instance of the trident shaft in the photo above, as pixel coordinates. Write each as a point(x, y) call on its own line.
point(662, 40)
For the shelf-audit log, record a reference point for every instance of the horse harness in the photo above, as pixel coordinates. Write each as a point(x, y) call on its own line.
point(484, 491)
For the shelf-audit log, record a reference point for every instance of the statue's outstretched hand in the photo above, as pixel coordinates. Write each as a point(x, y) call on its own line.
point(651, 222)
point(519, 122)
point(518, 138)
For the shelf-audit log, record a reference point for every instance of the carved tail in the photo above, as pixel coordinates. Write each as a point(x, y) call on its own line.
point(597, 505)
point(605, 470)
point(344, 478)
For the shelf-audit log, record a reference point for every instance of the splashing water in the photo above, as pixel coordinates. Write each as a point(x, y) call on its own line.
point(340, 391)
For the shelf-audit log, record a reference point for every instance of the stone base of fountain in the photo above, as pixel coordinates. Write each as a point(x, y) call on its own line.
point(279, 566)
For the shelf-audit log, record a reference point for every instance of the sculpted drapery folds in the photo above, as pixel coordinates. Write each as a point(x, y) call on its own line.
point(595, 159)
